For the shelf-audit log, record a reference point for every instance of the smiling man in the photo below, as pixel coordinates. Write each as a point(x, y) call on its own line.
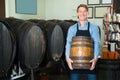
point(83, 28)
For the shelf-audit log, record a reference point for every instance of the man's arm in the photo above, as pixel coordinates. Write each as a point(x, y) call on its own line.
point(68, 45)
point(96, 38)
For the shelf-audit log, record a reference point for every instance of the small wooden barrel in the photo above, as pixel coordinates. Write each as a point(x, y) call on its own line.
point(81, 52)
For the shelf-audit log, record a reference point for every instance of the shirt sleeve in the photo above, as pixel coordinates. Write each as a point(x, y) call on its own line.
point(70, 34)
point(95, 34)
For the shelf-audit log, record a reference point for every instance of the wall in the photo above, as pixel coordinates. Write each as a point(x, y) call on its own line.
point(62, 9)
point(58, 9)
point(7, 8)
point(10, 10)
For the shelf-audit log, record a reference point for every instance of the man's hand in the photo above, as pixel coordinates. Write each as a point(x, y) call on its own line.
point(69, 62)
point(93, 61)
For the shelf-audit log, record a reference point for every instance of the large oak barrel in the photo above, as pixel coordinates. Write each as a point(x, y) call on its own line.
point(55, 41)
point(7, 48)
point(108, 69)
point(42, 25)
point(31, 43)
point(81, 52)
point(34, 45)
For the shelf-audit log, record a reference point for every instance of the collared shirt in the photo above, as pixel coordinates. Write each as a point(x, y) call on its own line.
point(94, 32)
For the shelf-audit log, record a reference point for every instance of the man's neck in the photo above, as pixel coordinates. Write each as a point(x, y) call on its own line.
point(82, 23)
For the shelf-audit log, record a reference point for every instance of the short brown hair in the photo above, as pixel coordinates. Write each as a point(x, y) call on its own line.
point(82, 5)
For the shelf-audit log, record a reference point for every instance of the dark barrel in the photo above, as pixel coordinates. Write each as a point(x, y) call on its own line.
point(31, 43)
point(55, 41)
point(34, 45)
point(7, 48)
point(81, 52)
point(108, 69)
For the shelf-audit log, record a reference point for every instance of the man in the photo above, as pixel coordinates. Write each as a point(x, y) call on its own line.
point(81, 29)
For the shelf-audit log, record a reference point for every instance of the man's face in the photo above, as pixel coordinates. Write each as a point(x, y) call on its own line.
point(82, 14)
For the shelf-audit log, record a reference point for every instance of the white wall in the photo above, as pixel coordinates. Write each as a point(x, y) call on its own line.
point(10, 10)
point(7, 8)
point(58, 9)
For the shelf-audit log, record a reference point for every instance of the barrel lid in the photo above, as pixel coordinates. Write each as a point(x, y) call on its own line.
point(7, 47)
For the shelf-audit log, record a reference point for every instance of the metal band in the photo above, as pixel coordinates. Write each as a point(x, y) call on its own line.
point(82, 65)
point(82, 45)
point(81, 58)
point(81, 40)
point(82, 37)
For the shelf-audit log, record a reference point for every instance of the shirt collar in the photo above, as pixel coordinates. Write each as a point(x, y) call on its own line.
point(85, 25)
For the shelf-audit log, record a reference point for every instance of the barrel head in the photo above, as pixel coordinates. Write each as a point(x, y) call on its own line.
point(6, 48)
point(57, 43)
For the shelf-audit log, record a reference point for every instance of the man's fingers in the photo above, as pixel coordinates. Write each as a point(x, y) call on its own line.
point(69, 61)
point(93, 66)
point(93, 61)
point(70, 66)
point(90, 60)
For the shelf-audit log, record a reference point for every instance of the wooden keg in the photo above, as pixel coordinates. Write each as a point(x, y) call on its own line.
point(81, 52)
point(55, 41)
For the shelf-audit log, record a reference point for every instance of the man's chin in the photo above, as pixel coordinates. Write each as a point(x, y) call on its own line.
point(82, 19)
